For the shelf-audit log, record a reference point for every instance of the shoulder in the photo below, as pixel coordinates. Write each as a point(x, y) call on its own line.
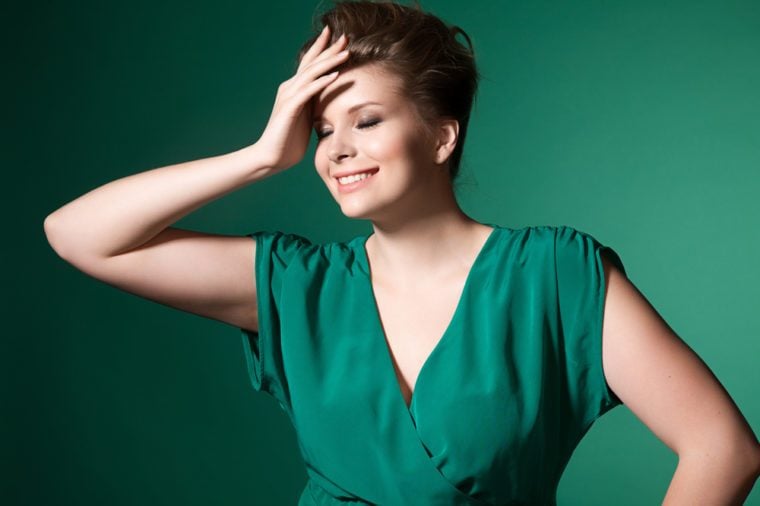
point(548, 232)
point(552, 238)
point(563, 246)
point(294, 250)
point(292, 241)
point(564, 238)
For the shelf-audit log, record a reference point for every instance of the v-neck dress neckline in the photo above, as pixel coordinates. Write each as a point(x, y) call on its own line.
point(442, 341)
point(500, 403)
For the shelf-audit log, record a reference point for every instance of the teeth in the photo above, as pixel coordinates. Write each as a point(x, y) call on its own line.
point(353, 178)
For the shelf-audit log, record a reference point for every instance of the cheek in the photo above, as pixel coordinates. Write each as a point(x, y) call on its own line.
point(320, 161)
point(387, 148)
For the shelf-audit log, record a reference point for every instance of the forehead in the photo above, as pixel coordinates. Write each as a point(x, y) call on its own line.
point(354, 86)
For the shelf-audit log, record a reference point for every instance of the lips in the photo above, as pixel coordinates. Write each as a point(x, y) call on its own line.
point(362, 171)
point(357, 184)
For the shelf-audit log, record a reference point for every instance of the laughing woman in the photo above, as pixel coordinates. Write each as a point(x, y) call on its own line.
point(438, 360)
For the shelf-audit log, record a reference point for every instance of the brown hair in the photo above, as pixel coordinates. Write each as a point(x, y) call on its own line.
point(437, 72)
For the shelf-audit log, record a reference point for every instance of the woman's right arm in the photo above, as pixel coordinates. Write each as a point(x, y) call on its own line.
point(120, 233)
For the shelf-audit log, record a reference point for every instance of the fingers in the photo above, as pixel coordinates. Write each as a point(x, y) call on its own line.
point(314, 71)
point(307, 92)
point(325, 63)
point(318, 47)
point(317, 69)
point(315, 48)
point(338, 45)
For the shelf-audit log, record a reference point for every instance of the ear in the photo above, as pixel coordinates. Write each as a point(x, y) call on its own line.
point(446, 139)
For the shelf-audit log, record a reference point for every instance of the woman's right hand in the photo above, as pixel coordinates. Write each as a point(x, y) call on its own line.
point(286, 136)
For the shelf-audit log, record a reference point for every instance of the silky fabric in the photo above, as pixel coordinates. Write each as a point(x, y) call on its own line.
point(499, 405)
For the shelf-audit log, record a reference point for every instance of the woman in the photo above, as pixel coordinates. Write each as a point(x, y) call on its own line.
point(438, 360)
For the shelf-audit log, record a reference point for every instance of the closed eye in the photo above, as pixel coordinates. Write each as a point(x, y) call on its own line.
point(367, 124)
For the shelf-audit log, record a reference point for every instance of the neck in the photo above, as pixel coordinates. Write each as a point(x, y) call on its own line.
point(427, 248)
point(426, 237)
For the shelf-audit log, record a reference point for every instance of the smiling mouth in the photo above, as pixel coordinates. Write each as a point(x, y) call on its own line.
point(353, 178)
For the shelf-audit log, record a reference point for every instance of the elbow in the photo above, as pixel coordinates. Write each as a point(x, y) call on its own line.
point(49, 223)
point(53, 234)
point(747, 454)
point(755, 461)
point(734, 449)
point(50, 234)
point(739, 456)
point(56, 237)
point(751, 469)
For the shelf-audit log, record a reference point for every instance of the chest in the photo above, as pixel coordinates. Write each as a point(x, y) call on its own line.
point(413, 322)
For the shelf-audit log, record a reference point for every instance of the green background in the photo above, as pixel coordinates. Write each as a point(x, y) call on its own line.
point(637, 122)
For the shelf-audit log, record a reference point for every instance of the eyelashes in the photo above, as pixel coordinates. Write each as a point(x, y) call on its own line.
point(369, 123)
point(364, 125)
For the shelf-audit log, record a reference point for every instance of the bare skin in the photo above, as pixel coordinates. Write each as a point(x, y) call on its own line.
point(415, 314)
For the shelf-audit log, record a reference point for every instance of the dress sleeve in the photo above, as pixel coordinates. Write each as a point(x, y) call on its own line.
point(263, 351)
point(581, 292)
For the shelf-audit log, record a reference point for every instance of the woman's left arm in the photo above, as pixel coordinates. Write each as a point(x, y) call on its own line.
point(673, 392)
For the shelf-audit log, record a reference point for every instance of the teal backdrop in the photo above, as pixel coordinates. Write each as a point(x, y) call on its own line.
point(637, 122)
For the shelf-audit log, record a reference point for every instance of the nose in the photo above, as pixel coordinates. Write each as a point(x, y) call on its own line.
point(341, 146)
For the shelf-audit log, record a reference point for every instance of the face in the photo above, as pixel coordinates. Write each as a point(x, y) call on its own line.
point(384, 137)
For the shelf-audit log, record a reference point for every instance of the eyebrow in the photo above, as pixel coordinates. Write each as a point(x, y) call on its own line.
point(351, 109)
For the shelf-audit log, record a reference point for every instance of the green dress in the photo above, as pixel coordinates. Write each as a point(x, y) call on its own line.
point(500, 404)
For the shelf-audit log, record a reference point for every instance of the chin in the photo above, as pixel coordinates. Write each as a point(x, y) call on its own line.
point(358, 209)
point(355, 212)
